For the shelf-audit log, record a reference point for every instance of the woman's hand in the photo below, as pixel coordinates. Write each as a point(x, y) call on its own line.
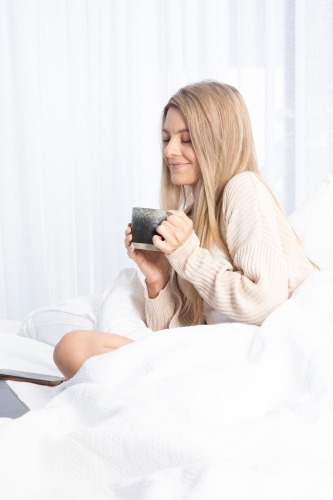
point(174, 232)
point(154, 265)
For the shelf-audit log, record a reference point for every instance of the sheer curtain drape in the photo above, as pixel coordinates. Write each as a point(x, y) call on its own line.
point(82, 86)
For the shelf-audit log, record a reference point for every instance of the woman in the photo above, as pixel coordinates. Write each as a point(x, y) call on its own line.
point(227, 251)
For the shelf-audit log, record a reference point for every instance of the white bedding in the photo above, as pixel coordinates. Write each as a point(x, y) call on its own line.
point(9, 326)
point(227, 411)
point(18, 353)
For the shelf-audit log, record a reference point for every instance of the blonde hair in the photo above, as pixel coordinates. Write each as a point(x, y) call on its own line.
point(221, 134)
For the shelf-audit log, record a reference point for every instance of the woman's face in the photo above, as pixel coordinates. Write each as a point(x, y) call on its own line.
point(178, 150)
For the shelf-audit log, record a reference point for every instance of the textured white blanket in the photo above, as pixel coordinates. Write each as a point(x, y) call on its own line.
point(226, 411)
point(19, 353)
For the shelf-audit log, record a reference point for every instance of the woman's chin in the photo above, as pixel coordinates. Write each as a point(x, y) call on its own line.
point(179, 181)
point(176, 180)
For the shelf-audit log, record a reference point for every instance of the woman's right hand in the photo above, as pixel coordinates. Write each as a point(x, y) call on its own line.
point(153, 265)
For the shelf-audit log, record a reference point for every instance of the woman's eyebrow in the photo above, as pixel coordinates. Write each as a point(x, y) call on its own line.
point(178, 131)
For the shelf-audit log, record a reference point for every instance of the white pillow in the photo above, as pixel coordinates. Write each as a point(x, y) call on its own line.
point(49, 324)
point(313, 222)
point(123, 308)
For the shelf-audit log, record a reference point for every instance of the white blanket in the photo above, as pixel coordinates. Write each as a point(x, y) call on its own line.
point(19, 353)
point(227, 411)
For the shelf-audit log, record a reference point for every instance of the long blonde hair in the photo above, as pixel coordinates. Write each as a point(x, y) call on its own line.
point(221, 134)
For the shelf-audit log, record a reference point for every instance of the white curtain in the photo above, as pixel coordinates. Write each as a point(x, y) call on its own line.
point(82, 86)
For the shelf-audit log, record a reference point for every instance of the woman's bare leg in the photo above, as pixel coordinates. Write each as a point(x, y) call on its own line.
point(78, 346)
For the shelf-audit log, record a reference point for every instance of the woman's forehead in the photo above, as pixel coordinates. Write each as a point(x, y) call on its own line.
point(175, 121)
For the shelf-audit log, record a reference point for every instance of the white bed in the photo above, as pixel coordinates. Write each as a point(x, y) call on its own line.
point(224, 411)
point(18, 353)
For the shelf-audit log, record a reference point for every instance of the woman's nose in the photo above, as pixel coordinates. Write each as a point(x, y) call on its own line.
point(171, 148)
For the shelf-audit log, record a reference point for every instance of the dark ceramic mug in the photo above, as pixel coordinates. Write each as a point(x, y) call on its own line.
point(144, 224)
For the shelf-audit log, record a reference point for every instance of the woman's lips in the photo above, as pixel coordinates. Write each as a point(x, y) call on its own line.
point(175, 166)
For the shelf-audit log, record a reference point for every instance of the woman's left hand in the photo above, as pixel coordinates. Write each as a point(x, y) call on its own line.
point(175, 230)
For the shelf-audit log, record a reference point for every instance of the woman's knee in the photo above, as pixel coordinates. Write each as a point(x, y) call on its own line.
point(67, 354)
point(79, 345)
point(63, 346)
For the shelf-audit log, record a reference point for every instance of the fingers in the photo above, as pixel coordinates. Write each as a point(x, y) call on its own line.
point(128, 232)
point(128, 240)
point(166, 246)
point(180, 214)
point(131, 252)
point(178, 218)
point(166, 229)
point(173, 232)
point(157, 240)
point(175, 223)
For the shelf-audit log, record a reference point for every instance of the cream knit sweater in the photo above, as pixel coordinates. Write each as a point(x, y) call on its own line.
point(269, 263)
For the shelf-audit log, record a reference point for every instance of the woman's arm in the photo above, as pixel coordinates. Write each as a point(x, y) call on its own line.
point(247, 294)
point(257, 283)
point(162, 295)
point(162, 312)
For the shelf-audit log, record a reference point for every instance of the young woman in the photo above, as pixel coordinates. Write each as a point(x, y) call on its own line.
point(227, 251)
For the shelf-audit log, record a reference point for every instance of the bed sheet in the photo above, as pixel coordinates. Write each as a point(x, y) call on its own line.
point(20, 353)
point(9, 326)
point(225, 411)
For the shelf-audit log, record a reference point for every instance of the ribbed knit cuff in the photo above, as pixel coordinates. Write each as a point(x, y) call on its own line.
point(159, 311)
point(162, 305)
point(179, 257)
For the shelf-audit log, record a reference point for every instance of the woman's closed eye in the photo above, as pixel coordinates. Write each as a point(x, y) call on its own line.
point(183, 141)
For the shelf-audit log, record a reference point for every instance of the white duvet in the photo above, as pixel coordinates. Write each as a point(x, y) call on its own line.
point(17, 353)
point(228, 411)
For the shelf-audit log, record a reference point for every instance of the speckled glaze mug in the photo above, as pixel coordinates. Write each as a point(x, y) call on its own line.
point(144, 224)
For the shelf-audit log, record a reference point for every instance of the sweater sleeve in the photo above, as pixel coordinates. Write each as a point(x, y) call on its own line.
point(257, 282)
point(162, 312)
